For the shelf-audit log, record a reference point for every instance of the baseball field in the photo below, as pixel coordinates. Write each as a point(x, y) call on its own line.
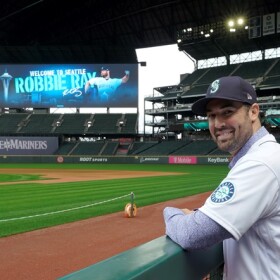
point(35, 196)
point(56, 219)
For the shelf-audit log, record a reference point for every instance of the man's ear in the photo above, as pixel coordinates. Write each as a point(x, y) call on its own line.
point(254, 111)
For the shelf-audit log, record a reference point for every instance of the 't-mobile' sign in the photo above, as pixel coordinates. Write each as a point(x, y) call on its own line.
point(182, 160)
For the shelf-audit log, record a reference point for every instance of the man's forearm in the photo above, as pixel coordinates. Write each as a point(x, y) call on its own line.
point(193, 231)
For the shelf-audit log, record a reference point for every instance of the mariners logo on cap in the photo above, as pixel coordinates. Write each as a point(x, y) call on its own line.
point(215, 86)
point(223, 193)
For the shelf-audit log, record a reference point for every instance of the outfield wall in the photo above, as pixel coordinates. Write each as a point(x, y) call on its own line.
point(211, 160)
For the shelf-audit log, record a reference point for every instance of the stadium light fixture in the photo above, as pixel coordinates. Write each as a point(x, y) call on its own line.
point(231, 23)
point(216, 29)
point(240, 21)
point(235, 24)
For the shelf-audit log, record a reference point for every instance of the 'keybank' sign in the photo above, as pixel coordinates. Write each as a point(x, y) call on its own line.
point(28, 145)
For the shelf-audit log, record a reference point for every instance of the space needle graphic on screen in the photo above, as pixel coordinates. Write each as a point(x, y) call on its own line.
point(6, 78)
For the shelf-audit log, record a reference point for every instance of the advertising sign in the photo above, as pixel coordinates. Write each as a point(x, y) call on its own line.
point(28, 145)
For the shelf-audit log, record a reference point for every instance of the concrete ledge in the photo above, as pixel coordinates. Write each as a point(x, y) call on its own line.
point(160, 259)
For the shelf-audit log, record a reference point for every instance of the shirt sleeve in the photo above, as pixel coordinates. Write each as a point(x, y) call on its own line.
point(92, 81)
point(193, 231)
point(245, 196)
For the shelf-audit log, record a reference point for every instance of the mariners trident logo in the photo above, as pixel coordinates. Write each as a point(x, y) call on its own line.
point(215, 86)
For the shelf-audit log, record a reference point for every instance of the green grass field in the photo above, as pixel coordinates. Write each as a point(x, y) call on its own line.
point(29, 206)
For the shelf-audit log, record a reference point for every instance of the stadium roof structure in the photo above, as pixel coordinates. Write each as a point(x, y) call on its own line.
point(91, 31)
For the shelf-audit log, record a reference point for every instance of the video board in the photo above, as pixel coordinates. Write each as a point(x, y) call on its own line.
point(68, 86)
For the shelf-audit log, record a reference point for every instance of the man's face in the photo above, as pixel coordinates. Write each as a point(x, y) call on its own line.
point(230, 124)
point(104, 73)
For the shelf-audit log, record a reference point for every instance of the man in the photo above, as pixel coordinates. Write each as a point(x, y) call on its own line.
point(102, 88)
point(244, 210)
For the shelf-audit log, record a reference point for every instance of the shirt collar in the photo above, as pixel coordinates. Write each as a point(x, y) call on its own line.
point(252, 140)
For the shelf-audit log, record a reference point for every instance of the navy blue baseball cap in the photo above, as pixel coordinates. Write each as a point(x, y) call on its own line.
point(105, 68)
point(229, 88)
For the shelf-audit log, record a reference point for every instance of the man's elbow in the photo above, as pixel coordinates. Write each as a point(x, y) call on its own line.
point(181, 241)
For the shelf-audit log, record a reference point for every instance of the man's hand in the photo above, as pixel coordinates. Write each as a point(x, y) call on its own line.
point(187, 211)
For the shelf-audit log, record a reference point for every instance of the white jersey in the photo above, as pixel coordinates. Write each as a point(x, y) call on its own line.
point(247, 204)
point(105, 86)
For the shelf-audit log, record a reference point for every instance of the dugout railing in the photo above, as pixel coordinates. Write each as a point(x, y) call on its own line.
point(159, 259)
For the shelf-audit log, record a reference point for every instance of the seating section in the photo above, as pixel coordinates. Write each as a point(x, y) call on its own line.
point(40, 123)
point(254, 69)
point(193, 77)
point(197, 147)
point(271, 82)
point(275, 70)
point(215, 73)
point(72, 124)
point(88, 148)
point(65, 148)
point(196, 89)
point(272, 78)
point(130, 124)
point(110, 148)
point(164, 148)
point(68, 124)
point(9, 123)
point(140, 147)
point(105, 124)
point(262, 73)
point(274, 121)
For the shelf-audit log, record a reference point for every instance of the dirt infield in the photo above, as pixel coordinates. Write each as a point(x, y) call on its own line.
point(56, 251)
point(72, 175)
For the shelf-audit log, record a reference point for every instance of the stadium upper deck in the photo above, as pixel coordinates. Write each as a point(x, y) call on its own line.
point(171, 106)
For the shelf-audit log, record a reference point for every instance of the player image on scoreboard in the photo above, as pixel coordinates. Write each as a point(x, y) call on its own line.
point(103, 88)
